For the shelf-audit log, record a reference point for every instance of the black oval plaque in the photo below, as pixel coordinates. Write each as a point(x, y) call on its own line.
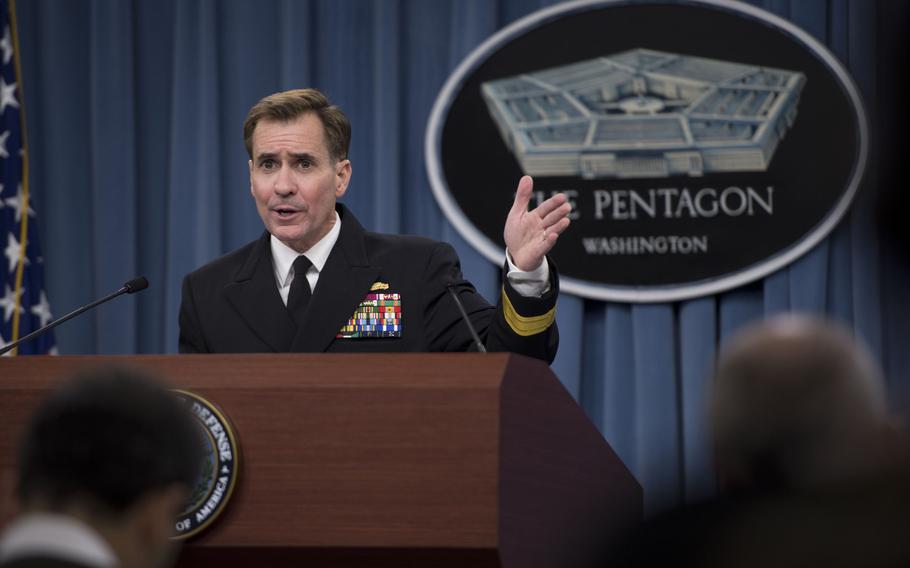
point(703, 144)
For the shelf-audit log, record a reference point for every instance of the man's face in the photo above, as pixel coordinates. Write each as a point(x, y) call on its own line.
point(295, 181)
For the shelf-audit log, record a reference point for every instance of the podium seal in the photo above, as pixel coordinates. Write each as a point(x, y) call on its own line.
point(218, 474)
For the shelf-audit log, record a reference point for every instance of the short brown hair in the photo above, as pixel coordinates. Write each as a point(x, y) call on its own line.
point(289, 105)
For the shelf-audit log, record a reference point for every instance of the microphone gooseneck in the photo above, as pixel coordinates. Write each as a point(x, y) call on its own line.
point(467, 320)
point(134, 285)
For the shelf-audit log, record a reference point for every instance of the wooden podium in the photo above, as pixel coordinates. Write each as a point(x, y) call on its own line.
point(382, 460)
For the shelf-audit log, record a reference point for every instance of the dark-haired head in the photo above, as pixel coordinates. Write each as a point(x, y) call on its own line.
point(289, 105)
point(107, 438)
point(115, 450)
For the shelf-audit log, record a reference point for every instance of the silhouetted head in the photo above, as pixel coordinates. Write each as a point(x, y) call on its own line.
point(118, 451)
point(797, 402)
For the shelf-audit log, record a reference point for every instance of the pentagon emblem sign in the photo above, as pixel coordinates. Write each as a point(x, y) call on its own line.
point(703, 144)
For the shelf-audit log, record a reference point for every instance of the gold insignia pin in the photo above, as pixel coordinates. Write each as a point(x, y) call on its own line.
point(379, 286)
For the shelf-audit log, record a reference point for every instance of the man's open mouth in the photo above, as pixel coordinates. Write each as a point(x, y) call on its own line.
point(285, 212)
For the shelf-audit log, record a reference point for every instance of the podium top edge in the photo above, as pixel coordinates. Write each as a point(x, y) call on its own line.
point(273, 370)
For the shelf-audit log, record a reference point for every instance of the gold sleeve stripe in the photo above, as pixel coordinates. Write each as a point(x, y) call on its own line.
point(525, 325)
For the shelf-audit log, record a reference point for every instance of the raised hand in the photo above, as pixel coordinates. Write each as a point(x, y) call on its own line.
point(529, 235)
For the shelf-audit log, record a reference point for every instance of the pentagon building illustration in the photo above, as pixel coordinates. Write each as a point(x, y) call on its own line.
point(643, 113)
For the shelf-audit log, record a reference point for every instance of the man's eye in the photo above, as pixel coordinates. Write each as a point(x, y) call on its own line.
point(267, 164)
point(304, 164)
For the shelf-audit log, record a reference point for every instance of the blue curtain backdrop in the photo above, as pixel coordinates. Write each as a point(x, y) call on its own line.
point(134, 115)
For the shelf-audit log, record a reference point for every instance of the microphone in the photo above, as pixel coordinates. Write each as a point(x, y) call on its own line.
point(131, 287)
point(135, 285)
point(467, 320)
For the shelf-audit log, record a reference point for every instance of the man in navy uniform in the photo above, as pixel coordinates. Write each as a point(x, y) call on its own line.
point(316, 281)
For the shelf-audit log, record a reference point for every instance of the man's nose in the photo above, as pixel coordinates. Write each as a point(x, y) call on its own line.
point(284, 181)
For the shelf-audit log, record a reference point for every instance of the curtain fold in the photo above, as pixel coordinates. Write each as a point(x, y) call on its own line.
point(112, 143)
point(194, 189)
point(696, 351)
point(138, 167)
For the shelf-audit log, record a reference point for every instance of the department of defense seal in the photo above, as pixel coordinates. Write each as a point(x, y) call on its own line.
point(220, 467)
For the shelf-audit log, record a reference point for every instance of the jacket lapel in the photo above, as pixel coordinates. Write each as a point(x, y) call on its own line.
point(254, 294)
point(344, 281)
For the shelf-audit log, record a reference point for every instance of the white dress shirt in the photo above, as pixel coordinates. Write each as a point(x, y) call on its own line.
point(283, 258)
point(58, 536)
point(529, 284)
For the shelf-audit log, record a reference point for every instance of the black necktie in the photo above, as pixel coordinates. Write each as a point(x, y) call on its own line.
point(300, 293)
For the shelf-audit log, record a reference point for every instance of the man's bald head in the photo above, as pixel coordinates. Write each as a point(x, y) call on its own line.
point(796, 402)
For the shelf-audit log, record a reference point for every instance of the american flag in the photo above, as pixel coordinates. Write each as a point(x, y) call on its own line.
point(23, 302)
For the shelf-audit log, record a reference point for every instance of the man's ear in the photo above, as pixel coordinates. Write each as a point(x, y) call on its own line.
point(342, 177)
point(156, 514)
point(249, 163)
point(141, 536)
